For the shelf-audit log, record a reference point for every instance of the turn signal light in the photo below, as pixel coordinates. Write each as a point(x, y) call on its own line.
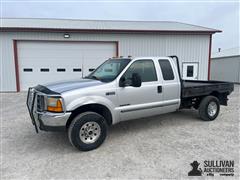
point(54, 105)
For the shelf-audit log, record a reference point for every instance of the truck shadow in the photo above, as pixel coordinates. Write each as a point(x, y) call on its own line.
point(59, 143)
point(174, 119)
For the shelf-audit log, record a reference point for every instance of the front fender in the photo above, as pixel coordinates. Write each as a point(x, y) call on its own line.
point(86, 100)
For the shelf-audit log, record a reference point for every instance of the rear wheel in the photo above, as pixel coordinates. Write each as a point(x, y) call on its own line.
point(87, 131)
point(209, 108)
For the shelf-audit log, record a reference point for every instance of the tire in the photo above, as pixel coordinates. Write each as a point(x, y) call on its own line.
point(79, 131)
point(205, 111)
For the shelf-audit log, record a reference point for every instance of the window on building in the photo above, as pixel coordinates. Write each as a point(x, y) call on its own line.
point(166, 68)
point(189, 71)
point(27, 69)
point(61, 69)
point(91, 69)
point(145, 68)
point(77, 69)
point(44, 70)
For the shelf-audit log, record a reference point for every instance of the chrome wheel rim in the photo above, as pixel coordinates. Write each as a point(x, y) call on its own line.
point(212, 108)
point(90, 132)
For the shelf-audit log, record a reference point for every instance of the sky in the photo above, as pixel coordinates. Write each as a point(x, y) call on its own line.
point(217, 14)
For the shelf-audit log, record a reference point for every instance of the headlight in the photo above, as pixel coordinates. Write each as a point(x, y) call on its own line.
point(54, 104)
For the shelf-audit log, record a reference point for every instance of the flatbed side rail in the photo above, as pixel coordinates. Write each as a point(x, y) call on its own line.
point(201, 90)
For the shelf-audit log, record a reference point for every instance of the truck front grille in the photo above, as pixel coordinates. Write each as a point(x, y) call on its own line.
point(40, 103)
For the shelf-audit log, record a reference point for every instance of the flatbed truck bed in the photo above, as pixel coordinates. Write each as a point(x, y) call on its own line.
point(193, 88)
point(193, 91)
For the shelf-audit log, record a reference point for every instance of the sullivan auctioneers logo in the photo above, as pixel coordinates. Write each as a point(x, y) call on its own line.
point(211, 168)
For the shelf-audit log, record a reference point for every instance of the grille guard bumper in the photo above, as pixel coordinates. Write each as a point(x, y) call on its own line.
point(30, 105)
point(45, 120)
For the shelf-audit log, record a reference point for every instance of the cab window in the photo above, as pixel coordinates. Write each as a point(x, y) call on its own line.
point(145, 68)
point(167, 70)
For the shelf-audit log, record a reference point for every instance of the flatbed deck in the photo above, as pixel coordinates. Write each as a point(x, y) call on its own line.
point(193, 88)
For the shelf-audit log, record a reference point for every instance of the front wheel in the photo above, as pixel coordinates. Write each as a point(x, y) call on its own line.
point(209, 108)
point(87, 131)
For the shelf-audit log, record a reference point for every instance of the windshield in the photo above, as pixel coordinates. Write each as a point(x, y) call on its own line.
point(109, 70)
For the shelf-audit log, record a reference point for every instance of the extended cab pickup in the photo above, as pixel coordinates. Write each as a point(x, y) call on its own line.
point(118, 90)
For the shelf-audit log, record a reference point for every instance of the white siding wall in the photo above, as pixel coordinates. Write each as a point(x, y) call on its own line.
point(188, 47)
point(226, 69)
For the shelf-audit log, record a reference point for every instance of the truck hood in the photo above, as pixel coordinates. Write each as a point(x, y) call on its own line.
point(64, 86)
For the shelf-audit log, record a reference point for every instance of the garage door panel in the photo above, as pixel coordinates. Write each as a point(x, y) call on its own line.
point(49, 54)
point(41, 77)
point(39, 61)
point(44, 62)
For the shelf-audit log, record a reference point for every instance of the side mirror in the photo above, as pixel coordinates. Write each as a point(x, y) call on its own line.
point(122, 81)
point(136, 80)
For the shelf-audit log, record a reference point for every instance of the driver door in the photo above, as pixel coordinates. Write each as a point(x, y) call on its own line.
point(136, 102)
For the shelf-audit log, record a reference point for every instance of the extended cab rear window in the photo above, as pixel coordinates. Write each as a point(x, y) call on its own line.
point(166, 68)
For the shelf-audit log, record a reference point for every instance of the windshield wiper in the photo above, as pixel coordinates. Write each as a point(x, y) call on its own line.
point(92, 77)
point(95, 77)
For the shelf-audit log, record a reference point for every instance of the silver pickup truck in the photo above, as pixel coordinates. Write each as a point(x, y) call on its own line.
point(118, 90)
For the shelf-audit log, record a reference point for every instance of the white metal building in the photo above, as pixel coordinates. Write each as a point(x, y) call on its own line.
point(225, 65)
point(35, 51)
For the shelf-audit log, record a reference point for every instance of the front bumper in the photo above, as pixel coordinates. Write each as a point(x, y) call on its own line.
point(52, 122)
point(45, 121)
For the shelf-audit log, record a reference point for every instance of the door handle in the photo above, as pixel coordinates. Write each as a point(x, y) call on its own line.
point(159, 89)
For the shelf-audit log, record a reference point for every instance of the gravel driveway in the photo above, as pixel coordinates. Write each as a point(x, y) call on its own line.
point(153, 148)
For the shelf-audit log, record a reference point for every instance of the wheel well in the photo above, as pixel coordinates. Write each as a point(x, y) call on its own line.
point(195, 102)
point(216, 94)
point(98, 108)
point(222, 97)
